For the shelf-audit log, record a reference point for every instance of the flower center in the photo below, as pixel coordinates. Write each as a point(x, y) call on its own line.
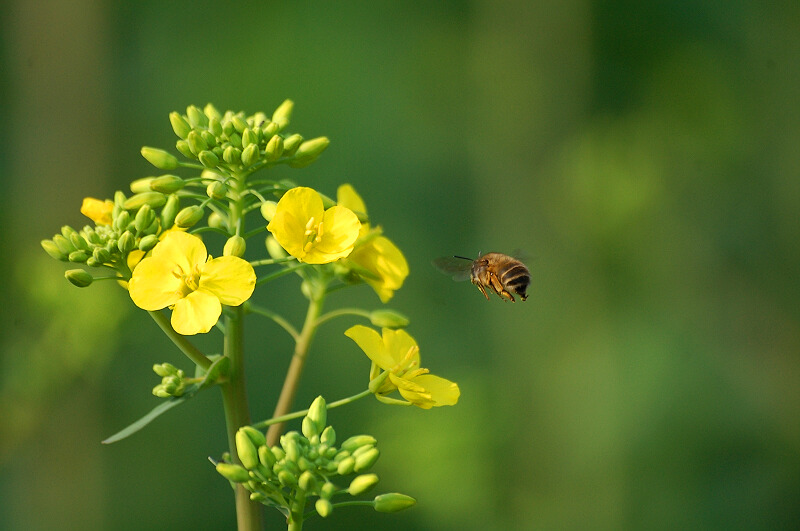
point(191, 281)
point(313, 234)
point(407, 363)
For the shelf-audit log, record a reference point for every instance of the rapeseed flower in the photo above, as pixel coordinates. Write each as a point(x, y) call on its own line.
point(97, 210)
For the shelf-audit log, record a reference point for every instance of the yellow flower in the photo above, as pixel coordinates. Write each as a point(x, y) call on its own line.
point(98, 211)
point(179, 273)
point(375, 258)
point(397, 353)
point(309, 232)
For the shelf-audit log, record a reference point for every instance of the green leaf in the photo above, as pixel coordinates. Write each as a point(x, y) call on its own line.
point(154, 413)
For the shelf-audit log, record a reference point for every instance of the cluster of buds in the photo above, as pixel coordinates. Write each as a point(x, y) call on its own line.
point(173, 381)
point(305, 465)
point(233, 142)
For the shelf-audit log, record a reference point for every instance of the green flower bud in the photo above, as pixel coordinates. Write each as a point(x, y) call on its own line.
point(232, 155)
point(196, 143)
point(101, 255)
point(309, 151)
point(227, 126)
point(208, 159)
point(307, 481)
point(165, 369)
point(249, 137)
point(179, 125)
point(268, 210)
point(170, 210)
point(346, 466)
point(248, 454)
point(135, 202)
point(216, 190)
point(141, 185)
point(214, 126)
point(257, 496)
point(78, 241)
point(234, 473)
point(160, 158)
point(167, 184)
point(196, 117)
point(362, 484)
point(126, 242)
point(63, 244)
point(266, 457)
point(78, 277)
point(356, 441)
point(250, 155)
point(239, 123)
point(324, 507)
point(54, 251)
point(122, 220)
point(327, 490)
point(388, 319)
point(290, 447)
point(393, 502)
point(212, 112)
point(365, 460)
point(274, 248)
point(217, 221)
point(283, 113)
point(255, 435)
point(235, 246)
point(287, 479)
point(269, 129)
point(236, 140)
point(318, 414)
point(209, 139)
point(291, 144)
point(183, 147)
point(144, 218)
point(309, 428)
point(328, 436)
point(189, 216)
point(78, 257)
point(274, 148)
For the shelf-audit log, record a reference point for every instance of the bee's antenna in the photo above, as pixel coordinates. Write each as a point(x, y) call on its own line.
point(462, 257)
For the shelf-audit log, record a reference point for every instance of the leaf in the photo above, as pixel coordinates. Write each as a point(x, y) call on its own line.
point(154, 413)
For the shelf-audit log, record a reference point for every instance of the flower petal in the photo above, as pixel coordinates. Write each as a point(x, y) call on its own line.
point(371, 343)
point(443, 392)
point(182, 249)
point(293, 212)
point(381, 257)
point(398, 343)
point(231, 279)
point(347, 196)
point(154, 285)
point(97, 210)
point(340, 229)
point(197, 313)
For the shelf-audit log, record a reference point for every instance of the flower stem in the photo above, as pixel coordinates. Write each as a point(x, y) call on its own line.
point(292, 379)
point(342, 311)
point(180, 341)
point(234, 400)
point(297, 414)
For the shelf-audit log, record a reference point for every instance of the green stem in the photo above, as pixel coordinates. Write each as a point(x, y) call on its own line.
point(268, 261)
point(292, 379)
point(343, 311)
point(180, 341)
point(281, 273)
point(297, 414)
point(283, 323)
point(296, 512)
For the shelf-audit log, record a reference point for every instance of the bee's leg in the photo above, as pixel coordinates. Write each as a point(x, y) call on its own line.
point(497, 286)
point(483, 290)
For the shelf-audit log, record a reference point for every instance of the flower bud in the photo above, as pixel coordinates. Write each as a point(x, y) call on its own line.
point(79, 257)
point(274, 248)
point(63, 244)
point(78, 241)
point(54, 251)
point(141, 185)
point(232, 155)
point(248, 454)
point(235, 140)
point(309, 428)
point(309, 151)
point(216, 190)
point(183, 147)
point(307, 481)
point(79, 277)
point(217, 221)
point(362, 484)
point(126, 242)
point(212, 112)
point(365, 460)
point(318, 414)
point(208, 159)
point(144, 218)
point(235, 246)
point(324, 507)
point(268, 209)
point(287, 479)
point(196, 117)
point(274, 148)
point(167, 184)
point(148, 242)
point(234, 473)
point(250, 155)
point(266, 457)
point(165, 369)
point(169, 211)
point(269, 129)
point(101, 255)
point(160, 158)
point(388, 319)
point(283, 113)
point(239, 123)
point(179, 125)
point(255, 435)
point(393, 502)
point(291, 144)
point(356, 441)
point(290, 447)
point(328, 436)
point(196, 143)
point(249, 137)
point(189, 216)
point(135, 202)
point(346, 466)
point(209, 139)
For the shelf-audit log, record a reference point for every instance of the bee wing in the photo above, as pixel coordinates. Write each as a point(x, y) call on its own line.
point(456, 267)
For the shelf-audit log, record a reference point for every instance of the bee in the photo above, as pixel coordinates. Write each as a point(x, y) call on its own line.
point(499, 272)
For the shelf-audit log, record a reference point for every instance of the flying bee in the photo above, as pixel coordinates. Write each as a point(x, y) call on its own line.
point(499, 272)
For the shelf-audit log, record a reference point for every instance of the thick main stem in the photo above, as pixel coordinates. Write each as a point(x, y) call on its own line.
point(292, 380)
point(234, 400)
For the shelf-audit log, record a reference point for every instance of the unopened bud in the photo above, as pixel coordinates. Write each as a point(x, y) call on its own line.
point(196, 143)
point(393, 502)
point(328, 436)
point(216, 190)
point(196, 117)
point(283, 113)
point(268, 209)
point(79, 256)
point(167, 184)
point(135, 202)
point(266, 457)
point(179, 125)
point(247, 451)
point(274, 248)
point(232, 155)
point(309, 151)
point(307, 481)
point(249, 137)
point(217, 221)
point(388, 319)
point(126, 242)
point(208, 159)
point(362, 484)
point(250, 155)
point(239, 123)
point(160, 158)
point(235, 246)
point(144, 218)
point(79, 277)
point(63, 244)
point(212, 112)
point(324, 507)
point(318, 414)
point(53, 250)
point(365, 460)
point(356, 441)
point(234, 473)
point(141, 185)
point(346, 466)
point(183, 147)
point(291, 144)
point(189, 216)
point(274, 148)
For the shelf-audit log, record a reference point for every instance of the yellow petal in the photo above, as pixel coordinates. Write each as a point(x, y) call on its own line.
point(153, 285)
point(382, 258)
point(340, 227)
point(398, 343)
point(197, 313)
point(97, 210)
point(182, 249)
point(371, 343)
point(292, 214)
point(442, 391)
point(347, 196)
point(230, 278)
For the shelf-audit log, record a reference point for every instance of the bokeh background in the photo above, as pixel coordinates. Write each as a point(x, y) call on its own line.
point(644, 155)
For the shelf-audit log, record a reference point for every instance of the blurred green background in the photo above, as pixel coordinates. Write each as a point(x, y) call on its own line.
point(644, 155)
